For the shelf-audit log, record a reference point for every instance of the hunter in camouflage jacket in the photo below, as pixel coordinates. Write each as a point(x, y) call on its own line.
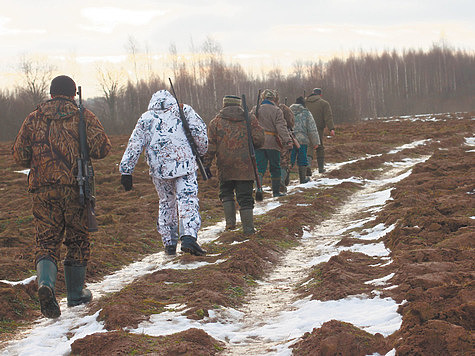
point(48, 143)
point(228, 141)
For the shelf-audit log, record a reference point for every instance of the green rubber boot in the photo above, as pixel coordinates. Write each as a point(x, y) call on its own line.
point(74, 276)
point(230, 214)
point(247, 220)
point(303, 175)
point(47, 271)
point(276, 188)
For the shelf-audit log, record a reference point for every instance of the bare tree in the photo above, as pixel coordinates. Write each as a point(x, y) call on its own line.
point(111, 84)
point(37, 76)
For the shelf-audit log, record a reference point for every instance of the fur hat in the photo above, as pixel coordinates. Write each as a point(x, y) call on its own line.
point(63, 85)
point(230, 100)
point(317, 91)
point(269, 94)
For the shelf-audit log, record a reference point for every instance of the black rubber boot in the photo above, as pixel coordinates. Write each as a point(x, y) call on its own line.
point(321, 165)
point(189, 245)
point(74, 276)
point(321, 160)
point(287, 176)
point(261, 179)
point(247, 220)
point(170, 250)
point(276, 188)
point(229, 207)
point(303, 175)
point(283, 186)
point(47, 271)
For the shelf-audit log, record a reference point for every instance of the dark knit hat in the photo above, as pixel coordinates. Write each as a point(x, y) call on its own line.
point(317, 91)
point(63, 85)
point(300, 100)
point(231, 100)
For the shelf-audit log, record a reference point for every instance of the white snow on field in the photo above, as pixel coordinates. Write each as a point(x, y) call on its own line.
point(25, 171)
point(410, 145)
point(25, 281)
point(470, 141)
point(373, 314)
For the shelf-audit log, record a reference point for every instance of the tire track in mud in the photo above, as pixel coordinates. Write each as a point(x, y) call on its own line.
point(76, 324)
point(260, 333)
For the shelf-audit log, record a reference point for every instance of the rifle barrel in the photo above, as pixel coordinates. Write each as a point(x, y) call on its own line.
point(189, 136)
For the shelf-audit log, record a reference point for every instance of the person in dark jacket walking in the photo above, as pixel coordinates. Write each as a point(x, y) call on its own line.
point(228, 142)
point(48, 144)
point(322, 113)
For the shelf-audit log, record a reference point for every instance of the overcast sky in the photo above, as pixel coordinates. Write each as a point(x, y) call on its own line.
point(277, 33)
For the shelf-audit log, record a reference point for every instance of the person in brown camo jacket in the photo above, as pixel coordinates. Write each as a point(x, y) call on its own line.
point(48, 144)
point(228, 142)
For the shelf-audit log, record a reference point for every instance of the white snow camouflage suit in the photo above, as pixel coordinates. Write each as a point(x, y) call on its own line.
point(173, 166)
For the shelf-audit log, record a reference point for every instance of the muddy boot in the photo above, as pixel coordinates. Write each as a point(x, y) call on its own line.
point(321, 159)
point(276, 188)
point(321, 165)
point(261, 179)
point(47, 271)
point(189, 245)
point(74, 276)
point(287, 177)
point(309, 166)
point(247, 220)
point(303, 175)
point(283, 187)
point(170, 250)
point(230, 214)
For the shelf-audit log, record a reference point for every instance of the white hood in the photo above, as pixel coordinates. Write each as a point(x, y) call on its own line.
point(161, 100)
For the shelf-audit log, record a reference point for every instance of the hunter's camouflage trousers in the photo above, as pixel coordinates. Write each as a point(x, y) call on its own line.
point(60, 219)
point(178, 203)
point(285, 158)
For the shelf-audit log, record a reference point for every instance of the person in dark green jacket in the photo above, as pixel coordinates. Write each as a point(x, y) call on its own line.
point(322, 113)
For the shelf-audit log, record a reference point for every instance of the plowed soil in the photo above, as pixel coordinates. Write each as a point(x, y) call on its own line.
point(431, 245)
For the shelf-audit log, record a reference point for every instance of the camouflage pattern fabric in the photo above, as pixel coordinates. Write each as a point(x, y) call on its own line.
point(178, 201)
point(48, 143)
point(59, 218)
point(159, 133)
point(290, 121)
point(228, 142)
point(305, 129)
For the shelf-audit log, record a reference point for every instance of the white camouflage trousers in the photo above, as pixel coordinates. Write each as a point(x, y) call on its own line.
point(178, 202)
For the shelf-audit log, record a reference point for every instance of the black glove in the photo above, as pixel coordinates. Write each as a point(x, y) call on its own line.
point(126, 181)
point(208, 172)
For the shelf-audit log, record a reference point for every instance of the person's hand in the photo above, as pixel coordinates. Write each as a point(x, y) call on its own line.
point(332, 132)
point(315, 147)
point(126, 181)
point(208, 172)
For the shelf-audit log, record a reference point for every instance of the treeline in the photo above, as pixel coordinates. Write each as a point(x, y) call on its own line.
point(363, 85)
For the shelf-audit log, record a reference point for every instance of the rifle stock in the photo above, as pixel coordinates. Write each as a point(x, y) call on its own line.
point(189, 136)
point(252, 152)
point(85, 175)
